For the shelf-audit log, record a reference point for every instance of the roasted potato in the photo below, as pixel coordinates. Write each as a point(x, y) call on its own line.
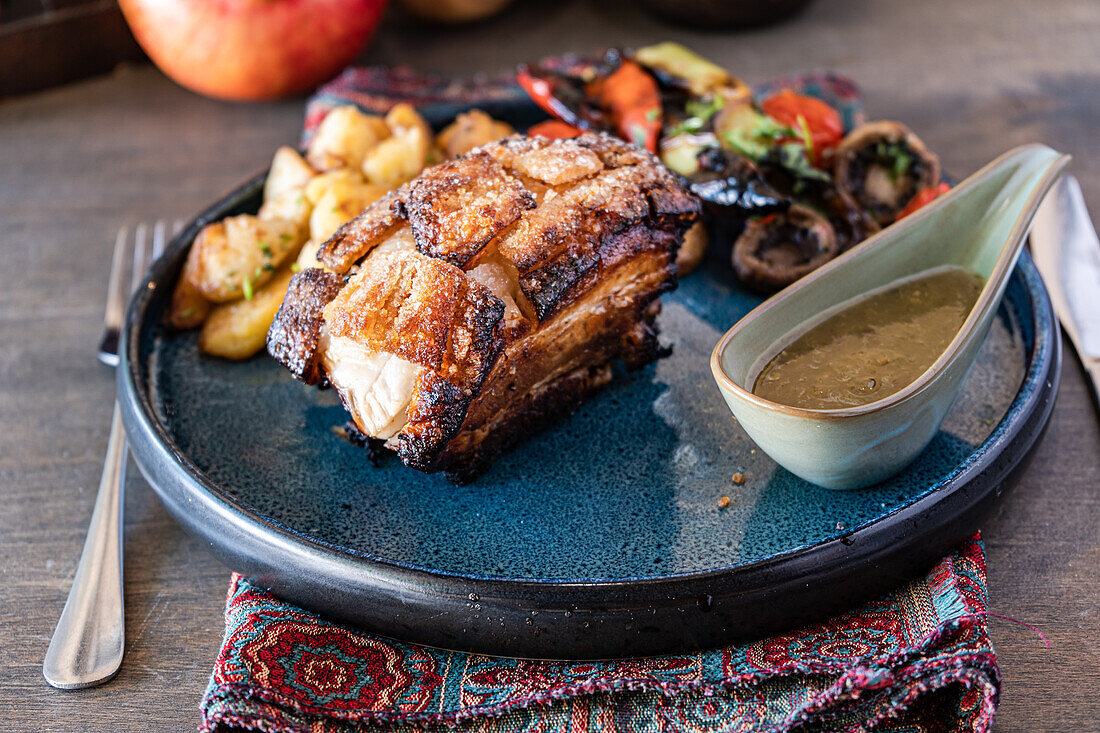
point(288, 172)
point(316, 188)
point(340, 202)
point(343, 139)
point(238, 255)
point(470, 130)
point(307, 257)
point(292, 206)
point(400, 157)
point(238, 330)
point(693, 248)
point(188, 308)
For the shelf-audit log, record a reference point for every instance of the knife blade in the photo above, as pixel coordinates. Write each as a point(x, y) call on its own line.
point(1067, 252)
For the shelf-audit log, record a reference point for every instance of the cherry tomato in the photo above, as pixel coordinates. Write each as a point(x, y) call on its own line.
point(806, 114)
point(924, 197)
point(554, 129)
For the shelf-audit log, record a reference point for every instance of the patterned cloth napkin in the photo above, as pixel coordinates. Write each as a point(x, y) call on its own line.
point(917, 659)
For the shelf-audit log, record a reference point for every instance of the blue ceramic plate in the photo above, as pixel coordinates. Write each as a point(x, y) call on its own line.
point(603, 536)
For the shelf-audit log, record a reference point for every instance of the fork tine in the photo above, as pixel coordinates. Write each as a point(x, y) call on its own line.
point(116, 293)
point(141, 236)
point(159, 235)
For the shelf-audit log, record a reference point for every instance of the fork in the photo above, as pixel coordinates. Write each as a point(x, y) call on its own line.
point(87, 645)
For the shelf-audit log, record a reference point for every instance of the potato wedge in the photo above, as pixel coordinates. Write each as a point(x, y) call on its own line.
point(188, 308)
point(238, 330)
point(289, 171)
point(402, 156)
point(470, 130)
point(238, 255)
point(341, 201)
point(343, 139)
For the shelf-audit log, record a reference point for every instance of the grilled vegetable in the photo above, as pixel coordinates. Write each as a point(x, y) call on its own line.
point(677, 66)
point(924, 197)
point(731, 185)
point(629, 98)
point(776, 250)
point(882, 165)
point(815, 124)
point(554, 130)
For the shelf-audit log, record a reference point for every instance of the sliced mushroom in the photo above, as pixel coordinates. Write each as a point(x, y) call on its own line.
point(882, 165)
point(776, 250)
point(850, 221)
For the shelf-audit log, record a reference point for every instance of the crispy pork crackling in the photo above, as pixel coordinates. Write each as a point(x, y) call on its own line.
point(489, 296)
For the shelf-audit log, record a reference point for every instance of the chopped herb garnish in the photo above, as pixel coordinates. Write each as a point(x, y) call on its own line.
point(286, 237)
point(792, 157)
point(804, 133)
point(756, 139)
point(268, 267)
point(894, 157)
point(246, 286)
point(901, 164)
point(700, 112)
point(704, 108)
point(294, 267)
point(653, 114)
point(265, 249)
point(187, 312)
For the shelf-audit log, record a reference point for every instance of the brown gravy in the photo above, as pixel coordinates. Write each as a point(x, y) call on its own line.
point(874, 347)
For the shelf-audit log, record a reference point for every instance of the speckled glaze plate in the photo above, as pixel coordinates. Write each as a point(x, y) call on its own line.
point(601, 537)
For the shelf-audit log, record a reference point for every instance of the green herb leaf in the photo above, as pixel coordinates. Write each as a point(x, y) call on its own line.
point(894, 157)
point(246, 286)
point(756, 138)
point(804, 133)
point(699, 111)
point(294, 267)
point(792, 157)
point(901, 164)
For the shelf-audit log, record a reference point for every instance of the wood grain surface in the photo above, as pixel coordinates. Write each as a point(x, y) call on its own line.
point(973, 78)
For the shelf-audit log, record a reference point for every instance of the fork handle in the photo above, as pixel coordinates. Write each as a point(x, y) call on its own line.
point(86, 648)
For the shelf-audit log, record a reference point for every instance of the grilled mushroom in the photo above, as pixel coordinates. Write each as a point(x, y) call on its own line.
point(776, 250)
point(882, 165)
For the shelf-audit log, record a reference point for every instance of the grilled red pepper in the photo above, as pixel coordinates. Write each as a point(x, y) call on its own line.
point(630, 96)
point(554, 129)
point(547, 91)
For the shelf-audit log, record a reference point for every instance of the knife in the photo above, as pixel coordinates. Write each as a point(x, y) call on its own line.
point(1067, 253)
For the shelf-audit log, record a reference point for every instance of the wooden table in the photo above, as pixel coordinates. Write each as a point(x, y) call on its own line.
point(973, 78)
